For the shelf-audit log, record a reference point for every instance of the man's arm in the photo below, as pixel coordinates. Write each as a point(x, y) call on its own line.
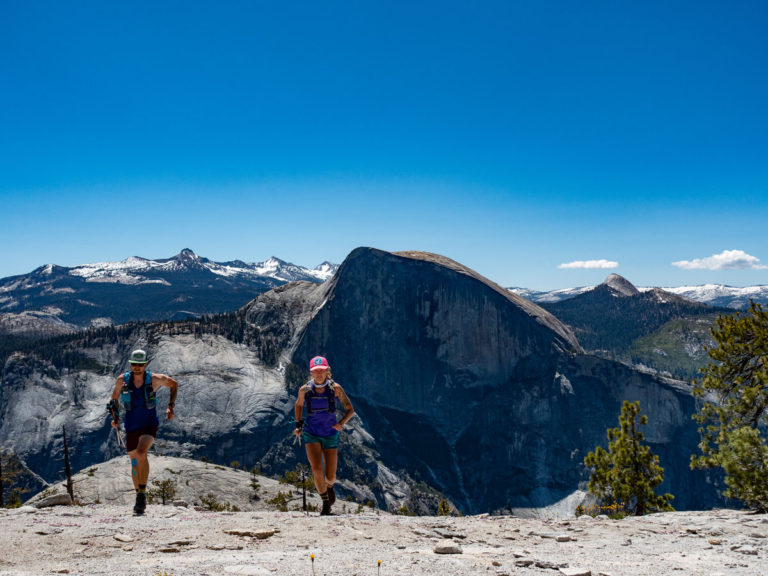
point(112, 404)
point(163, 380)
point(118, 388)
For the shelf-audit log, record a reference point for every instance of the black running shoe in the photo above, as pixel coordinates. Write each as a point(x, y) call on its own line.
point(331, 495)
point(141, 503)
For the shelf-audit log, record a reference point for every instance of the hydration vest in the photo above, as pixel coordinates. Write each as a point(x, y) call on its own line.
point(149, 394)
point(312, 396)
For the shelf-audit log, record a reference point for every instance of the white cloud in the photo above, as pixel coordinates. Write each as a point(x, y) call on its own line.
point(590, 264)
point(726, 260)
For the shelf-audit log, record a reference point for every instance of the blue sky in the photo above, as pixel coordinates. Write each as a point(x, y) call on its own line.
point(515, 137)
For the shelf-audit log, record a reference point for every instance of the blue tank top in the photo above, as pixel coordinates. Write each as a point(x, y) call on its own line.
point(139, 416)
point(321, 411)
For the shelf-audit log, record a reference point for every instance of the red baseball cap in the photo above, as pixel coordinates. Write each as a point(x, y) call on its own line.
point(318, 363)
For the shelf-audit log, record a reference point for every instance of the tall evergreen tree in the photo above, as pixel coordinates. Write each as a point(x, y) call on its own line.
point(628, 472)
point(734, 390)
point(67, 468)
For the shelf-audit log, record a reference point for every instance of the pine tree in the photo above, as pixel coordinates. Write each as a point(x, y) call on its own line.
point(165, 490)
point(444, 508)
point(10, 471)
point(299, 478)
point(628, 472)
point(67, 468)
point(734, 387)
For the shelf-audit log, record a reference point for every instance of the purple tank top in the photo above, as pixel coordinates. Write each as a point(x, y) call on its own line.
point(321, 415)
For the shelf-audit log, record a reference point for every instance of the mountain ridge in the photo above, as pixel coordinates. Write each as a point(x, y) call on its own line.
point(138, 288)
point(718, 295)
point(650, 329)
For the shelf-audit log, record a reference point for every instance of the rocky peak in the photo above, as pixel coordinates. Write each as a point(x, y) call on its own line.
point(621, 285)
point(187, 255)
point(187, 259)
point(328, 268)
point(48, 271)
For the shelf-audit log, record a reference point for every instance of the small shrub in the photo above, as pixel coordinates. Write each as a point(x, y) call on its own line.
point(300, 477)
point(211, 503)
point(281, 501)
point(614, 510)
point(52, 491)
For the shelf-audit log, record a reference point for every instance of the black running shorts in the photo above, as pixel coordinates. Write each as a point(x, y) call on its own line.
point(132, 438)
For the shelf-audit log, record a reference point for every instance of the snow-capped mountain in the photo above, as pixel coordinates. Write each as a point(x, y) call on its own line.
point(136, 270)
point(717, 295)
point(720, 295)
point(141, 289)
point(540, 296)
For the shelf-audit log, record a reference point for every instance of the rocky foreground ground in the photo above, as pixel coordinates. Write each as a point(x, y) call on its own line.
point(169, 540)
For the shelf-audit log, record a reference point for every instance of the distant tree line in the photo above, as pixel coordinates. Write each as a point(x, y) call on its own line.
point(67, 351)
point(234, 327)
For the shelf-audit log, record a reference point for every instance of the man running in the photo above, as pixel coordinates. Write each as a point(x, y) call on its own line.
point(136, 391)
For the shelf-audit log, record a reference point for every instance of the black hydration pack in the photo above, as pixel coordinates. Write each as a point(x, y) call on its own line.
point(312, 396)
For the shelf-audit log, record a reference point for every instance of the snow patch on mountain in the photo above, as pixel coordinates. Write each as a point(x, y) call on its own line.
point(7, 302)
point(722, 295)
point(137, 270)
point(550, 296)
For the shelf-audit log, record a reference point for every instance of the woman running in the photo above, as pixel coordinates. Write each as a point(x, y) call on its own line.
point(320, 430)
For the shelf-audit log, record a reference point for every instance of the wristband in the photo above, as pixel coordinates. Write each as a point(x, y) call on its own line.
point(299, 424)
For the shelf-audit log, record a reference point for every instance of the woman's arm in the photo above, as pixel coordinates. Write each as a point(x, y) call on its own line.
point(298, 409)
point(349, 410)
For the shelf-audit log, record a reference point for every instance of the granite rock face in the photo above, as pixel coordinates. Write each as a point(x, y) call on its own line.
point(417, 335)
